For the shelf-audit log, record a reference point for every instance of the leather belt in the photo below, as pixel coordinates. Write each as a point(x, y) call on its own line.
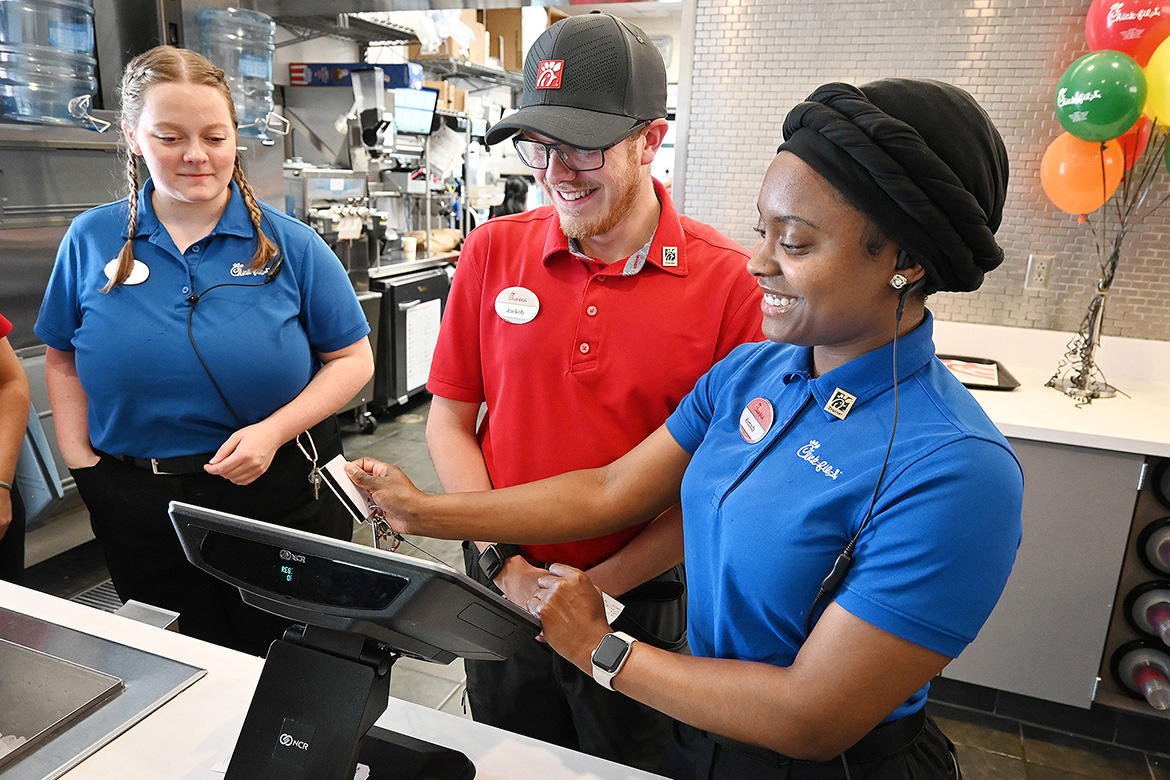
point(184, 464)
point(883, 741)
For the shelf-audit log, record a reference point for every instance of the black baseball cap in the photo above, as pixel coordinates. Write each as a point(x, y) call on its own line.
point(588, 81)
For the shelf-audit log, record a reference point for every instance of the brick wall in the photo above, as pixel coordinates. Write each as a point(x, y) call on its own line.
point(754, 59)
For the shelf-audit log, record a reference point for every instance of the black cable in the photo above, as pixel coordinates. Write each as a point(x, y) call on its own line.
point(269, 277)
point(844, 561)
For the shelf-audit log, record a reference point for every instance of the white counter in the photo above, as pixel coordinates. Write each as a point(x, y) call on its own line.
point(1139, 423)
point(193, 732)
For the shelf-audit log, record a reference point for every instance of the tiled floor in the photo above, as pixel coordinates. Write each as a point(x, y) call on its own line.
point(990, 747)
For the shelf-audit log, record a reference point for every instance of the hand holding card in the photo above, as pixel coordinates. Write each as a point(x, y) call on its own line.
point(355, 499)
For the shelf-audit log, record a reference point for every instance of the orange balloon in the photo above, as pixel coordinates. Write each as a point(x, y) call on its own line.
point(1079, 176)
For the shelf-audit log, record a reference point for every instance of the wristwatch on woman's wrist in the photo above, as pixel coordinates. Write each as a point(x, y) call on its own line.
point(610, 656)
point(491, 560)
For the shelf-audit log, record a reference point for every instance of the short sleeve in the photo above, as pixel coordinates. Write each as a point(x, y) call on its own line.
point(936, 556)
point(457, 366)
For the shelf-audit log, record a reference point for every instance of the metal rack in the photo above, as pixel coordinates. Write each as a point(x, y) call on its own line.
point(344, 26)
point(454, 67)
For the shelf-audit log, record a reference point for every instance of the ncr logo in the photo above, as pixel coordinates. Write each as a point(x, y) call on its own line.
point(548, 75)
point(293, 742)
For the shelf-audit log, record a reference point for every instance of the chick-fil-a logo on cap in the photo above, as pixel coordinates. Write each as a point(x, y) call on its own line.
point(548, 75)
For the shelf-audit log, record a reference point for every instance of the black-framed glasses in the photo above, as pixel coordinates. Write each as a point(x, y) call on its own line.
point(536, 154)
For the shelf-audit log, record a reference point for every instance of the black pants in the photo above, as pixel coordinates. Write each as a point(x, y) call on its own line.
point(695, 756)
point(128, 513)
point(12, 545)
point(537, 693)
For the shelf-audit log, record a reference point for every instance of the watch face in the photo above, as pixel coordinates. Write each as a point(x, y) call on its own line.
point(609, 654)
point(490, 562)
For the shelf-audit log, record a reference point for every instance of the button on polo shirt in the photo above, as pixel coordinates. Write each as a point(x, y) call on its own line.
point(589, 331)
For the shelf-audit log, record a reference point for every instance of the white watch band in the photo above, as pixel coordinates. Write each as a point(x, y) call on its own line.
point(604, 677)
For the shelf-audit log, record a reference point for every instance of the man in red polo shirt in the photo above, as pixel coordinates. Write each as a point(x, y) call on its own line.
point(582, 325)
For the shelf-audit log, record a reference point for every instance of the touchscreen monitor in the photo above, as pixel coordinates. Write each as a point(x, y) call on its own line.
point(414, 110)
point(422, 609)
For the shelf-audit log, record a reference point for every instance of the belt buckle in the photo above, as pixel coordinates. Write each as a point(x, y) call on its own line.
point(154, 467)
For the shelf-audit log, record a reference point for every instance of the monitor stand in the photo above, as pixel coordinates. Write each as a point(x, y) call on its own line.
point(310, 719)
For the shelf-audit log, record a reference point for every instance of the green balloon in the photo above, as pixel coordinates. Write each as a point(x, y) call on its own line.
point(1101, 95)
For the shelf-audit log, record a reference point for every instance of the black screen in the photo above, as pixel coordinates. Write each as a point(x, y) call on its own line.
point(303, 577)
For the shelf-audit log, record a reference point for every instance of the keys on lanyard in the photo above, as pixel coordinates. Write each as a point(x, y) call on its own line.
point(315, 478)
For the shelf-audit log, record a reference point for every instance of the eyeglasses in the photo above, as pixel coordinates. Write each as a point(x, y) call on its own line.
point(536, 154)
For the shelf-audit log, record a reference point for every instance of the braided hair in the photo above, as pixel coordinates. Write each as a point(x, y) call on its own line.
point(169, 65)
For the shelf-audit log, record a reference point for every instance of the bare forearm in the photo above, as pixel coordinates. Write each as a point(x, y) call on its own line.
point(563, 508)
point(813, 710)
point(14, 400)
point(658, 547)
point(454, 448)
point(576, 505)
point(70, 409)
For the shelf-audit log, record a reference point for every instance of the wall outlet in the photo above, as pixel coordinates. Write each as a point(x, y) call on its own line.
point(1039, 271)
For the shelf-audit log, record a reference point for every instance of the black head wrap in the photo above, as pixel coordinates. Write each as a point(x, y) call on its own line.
point(921, 159)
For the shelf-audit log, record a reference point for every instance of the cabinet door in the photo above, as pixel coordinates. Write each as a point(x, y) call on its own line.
point(1044, 638)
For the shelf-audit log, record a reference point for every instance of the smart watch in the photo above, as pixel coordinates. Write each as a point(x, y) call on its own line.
point(610, 656)
point(491, 560)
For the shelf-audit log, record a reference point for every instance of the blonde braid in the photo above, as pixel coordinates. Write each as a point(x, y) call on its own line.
point(265, 249)
point(126, 256)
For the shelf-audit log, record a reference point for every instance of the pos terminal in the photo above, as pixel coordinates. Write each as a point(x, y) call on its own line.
point(359, 609)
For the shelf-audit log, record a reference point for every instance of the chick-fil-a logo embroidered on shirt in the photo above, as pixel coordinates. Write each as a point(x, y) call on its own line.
point(548, 75)
point(808, 452)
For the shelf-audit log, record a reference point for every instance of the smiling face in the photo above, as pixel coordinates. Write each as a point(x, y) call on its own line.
point(593, 203)
point(822, 287)
point(186, 136)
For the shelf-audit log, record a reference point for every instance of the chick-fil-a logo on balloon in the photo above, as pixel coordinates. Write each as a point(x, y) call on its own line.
point(1116, 14)
point(1064, 99)
point(548, 75)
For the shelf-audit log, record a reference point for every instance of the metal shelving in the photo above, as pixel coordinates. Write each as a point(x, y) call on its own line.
point(345, 26)
point(454, 67)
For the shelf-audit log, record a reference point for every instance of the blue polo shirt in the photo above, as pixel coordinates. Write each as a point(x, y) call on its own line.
point(149, 396)
point(764, 521)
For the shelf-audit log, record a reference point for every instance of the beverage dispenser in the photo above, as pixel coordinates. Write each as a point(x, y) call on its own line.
point(46, 59)
point(242, 43)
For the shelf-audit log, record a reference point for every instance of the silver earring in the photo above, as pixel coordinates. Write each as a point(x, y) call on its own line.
point(898, 281)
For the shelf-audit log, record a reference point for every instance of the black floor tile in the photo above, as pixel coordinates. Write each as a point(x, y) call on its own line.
point(1080, 756)
point(964, 694)
point(1144, 732)
point(979, 764)
point(980, 730)
point(1096, 722)
point(69, 573)
point(1159, 767)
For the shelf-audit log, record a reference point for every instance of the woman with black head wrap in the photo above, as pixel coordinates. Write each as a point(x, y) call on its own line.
point(839, 445)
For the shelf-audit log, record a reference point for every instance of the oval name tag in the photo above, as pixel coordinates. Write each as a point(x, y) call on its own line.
point(138, 274)
point(517, 305)
point(756, 420)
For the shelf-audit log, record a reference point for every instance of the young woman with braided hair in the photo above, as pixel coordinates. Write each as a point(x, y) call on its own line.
point(194, 336)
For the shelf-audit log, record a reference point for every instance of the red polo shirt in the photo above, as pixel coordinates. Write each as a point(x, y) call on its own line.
point(5, 327)
point(591, 358)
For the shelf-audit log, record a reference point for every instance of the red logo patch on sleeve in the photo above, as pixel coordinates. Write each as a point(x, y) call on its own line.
point(548, 75)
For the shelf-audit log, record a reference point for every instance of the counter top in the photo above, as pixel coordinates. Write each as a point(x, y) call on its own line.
point(1137, 420)
point(197, 729)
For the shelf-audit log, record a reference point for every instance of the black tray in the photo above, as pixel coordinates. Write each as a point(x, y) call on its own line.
point(1005, 380)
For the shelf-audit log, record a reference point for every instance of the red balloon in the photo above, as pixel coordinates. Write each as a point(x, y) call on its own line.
point(1134, 141)
point(1079, 176)
point(1135, 27)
